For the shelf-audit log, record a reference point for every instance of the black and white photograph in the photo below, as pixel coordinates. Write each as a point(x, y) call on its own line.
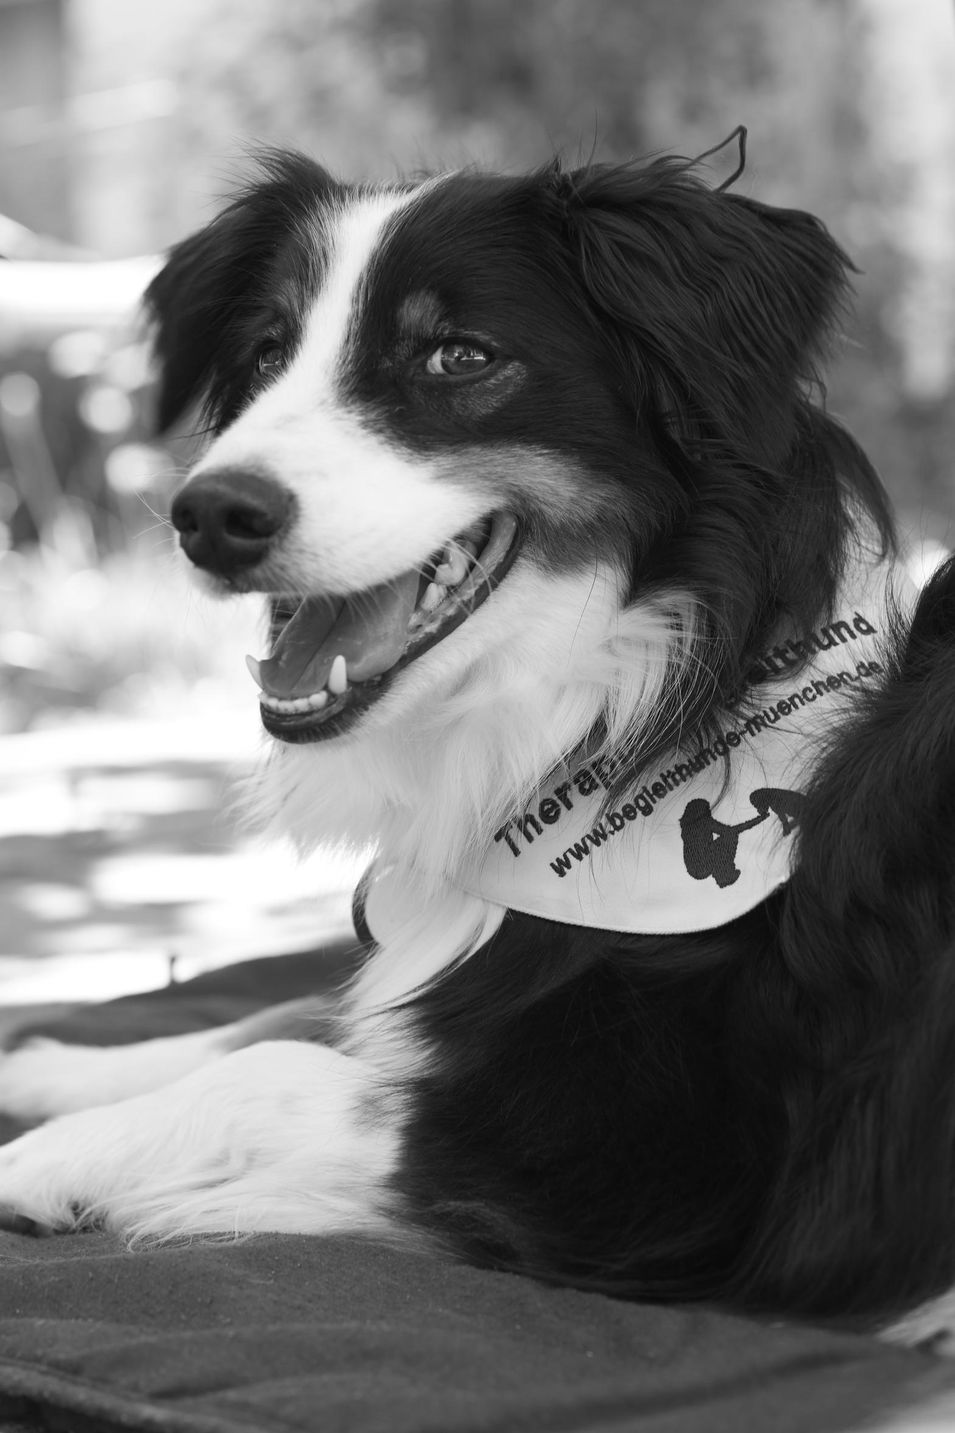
point(477, 716)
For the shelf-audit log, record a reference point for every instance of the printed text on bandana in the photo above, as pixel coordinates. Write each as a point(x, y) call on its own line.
point(709, 846)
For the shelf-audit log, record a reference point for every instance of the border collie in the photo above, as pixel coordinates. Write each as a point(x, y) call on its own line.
point(585, 616)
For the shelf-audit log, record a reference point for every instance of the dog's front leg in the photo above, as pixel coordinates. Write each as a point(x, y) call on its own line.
point(280, 1136)
point(43, 1078)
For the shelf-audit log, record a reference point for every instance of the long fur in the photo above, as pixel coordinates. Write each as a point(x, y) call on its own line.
point(762, 1113)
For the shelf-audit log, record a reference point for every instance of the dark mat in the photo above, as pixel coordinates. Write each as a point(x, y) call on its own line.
point(279, 1333)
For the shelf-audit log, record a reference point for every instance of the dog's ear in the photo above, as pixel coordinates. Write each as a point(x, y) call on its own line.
point(197, 299)
point(719, 306)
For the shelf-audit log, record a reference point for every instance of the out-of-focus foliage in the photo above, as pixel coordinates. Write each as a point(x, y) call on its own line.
point(371, 84)
point(74, 397)
point(122, 633)
point(95, 609)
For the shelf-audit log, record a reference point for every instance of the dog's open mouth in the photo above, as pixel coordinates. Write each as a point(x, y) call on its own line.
point(332, 657)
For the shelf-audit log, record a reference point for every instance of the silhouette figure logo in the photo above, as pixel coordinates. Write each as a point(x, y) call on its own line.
point(710, 845)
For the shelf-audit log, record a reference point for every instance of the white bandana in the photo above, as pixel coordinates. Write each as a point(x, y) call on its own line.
point(708, 834)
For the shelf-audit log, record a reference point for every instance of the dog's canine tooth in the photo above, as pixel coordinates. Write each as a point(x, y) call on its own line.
point(454, 566)
point(338, 676)
point(254, 667)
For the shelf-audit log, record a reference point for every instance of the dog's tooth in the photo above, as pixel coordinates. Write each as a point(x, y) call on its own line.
point(432, 597)
point(295, 705)
point(254, 667)
point(454, 566)
point(337, 679)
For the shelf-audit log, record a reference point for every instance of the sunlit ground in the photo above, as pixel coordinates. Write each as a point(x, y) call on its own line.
point(119, 851)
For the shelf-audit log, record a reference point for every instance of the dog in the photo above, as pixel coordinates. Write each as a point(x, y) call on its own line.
point(585, 615)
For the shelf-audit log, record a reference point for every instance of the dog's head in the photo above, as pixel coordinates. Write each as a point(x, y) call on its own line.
point(445, 412)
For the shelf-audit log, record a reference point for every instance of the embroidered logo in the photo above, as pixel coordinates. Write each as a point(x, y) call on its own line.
point(709, 845)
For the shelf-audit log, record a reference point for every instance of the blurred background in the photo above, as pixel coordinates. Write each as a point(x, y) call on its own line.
point(121, 128)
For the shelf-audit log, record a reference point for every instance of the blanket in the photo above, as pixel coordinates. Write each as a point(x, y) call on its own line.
point(277, 1333)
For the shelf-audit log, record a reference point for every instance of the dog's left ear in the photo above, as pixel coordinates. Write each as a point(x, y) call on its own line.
point(719, 306)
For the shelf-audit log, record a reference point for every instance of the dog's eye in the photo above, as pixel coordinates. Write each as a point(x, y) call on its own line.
point(269, 360)
point(458, 359)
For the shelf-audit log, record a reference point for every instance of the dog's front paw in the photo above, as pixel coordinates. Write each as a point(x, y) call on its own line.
point(39, 1189)
point(279, 1136)
point(108, 1166)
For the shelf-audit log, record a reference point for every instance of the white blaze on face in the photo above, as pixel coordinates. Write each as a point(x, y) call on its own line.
point(367, 511)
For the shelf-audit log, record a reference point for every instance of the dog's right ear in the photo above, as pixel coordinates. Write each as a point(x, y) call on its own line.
point(197, 300)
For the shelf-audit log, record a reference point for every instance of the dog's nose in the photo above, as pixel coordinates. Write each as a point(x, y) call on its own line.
point(228, 519)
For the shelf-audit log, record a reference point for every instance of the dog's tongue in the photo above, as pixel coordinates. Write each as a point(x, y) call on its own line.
point(370, 630)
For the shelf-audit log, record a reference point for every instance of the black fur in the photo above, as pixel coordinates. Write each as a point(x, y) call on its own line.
point(762, 1114)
